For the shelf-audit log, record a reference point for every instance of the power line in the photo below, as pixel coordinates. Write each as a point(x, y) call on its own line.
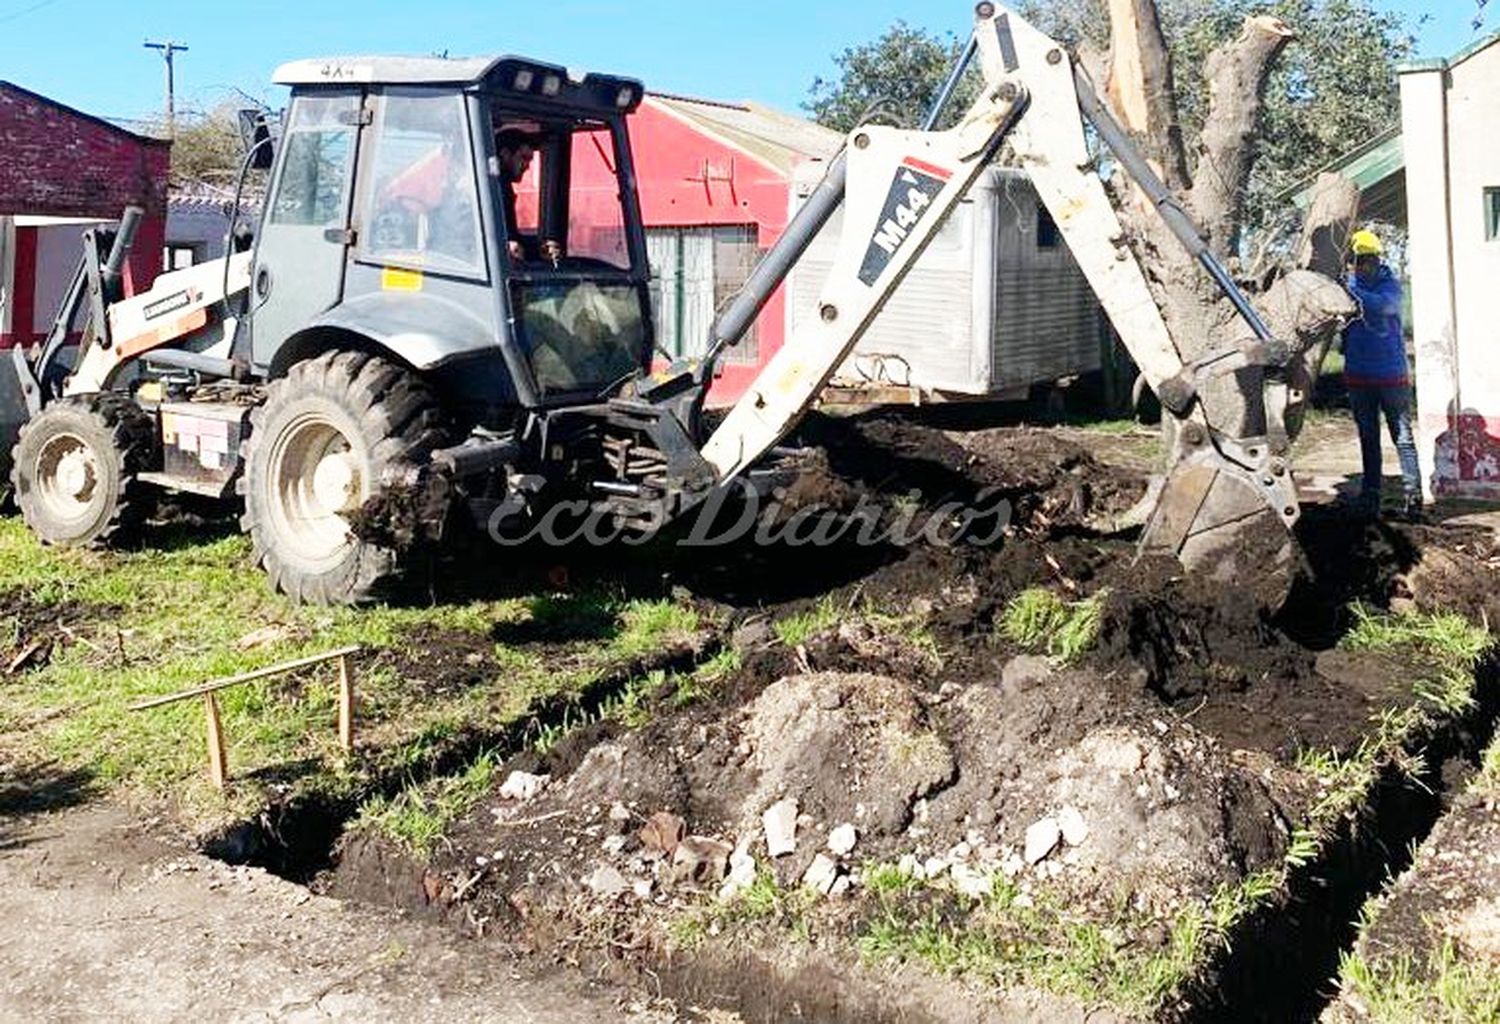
point(13, 15)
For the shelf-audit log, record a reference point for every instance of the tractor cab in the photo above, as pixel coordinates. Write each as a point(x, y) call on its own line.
point(475, 219)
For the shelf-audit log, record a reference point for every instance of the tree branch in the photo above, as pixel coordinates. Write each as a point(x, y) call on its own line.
point(1236, 74)
point(1141, 88)
point(1330, 222)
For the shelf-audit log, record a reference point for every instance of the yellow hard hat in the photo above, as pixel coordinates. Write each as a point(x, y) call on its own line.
point(1365, 243)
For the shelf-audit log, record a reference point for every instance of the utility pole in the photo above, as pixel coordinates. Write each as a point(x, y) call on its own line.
point(168, 49)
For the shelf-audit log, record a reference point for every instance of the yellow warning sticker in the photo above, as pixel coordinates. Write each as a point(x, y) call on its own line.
point(397, 279)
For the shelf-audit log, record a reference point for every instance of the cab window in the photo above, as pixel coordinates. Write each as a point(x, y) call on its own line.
point(596, 222)
point(419, 195)
point(315, 169)
point(560, 194)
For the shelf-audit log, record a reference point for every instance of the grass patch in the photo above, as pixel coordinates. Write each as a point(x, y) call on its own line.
point(1038, 620)
point(1123, 427)
point(795, 630)
point(1488, 780)
point(1445, 989)
point(762, 903)
point(1444, 651)
point(1008, 939)
point(650, 626)
point(705, 680)
point(171, 617)
point(910, 628)
point(419, 815)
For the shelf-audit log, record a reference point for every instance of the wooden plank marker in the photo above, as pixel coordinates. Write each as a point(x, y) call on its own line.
point(346, 705)
point(218, 766)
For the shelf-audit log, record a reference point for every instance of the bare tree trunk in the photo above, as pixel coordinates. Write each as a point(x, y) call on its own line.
point(1308, 307)
point(1330, 221)
point(1236, 74)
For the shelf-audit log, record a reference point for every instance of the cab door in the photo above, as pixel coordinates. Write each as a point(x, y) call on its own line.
point(304, 238)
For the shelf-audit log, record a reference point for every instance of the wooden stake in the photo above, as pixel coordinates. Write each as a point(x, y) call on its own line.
point(218, 769)
point(346, 705)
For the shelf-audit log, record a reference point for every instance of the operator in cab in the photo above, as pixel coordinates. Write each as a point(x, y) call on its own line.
point(515, 148)
point(1377, 375)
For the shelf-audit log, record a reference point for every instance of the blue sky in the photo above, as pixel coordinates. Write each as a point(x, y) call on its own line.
point(88, 53)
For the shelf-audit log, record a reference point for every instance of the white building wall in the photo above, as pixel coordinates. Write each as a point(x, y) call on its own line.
point(1451, 121)
point(1424, 123)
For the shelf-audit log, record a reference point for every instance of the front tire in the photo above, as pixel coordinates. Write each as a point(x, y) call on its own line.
point(318, 450)
point(75, 469)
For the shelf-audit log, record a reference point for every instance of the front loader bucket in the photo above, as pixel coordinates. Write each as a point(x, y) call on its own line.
point(1229, 525)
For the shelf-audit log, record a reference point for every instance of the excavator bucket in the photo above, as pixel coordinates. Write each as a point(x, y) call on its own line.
point(1229, 524)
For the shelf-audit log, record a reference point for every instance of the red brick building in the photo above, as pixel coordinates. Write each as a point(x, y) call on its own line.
point(60, 171)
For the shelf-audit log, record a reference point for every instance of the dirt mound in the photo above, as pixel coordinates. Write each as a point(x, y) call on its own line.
point(1046, 481)
point(1432, 567)
point(850, 748)
point(1193, 636)
point(1156, 769)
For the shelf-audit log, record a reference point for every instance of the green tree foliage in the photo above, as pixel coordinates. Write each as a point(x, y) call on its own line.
point(1333, 89)
point(902, 71)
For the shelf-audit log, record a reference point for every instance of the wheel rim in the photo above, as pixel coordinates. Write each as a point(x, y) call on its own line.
point(315, 480)
point(69, 477)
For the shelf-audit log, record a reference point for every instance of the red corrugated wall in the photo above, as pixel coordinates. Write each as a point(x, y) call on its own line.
point(688, 178)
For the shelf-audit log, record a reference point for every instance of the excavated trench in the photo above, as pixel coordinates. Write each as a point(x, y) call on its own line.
point(298, 838)
point(1285, 960)
point(1167, 643)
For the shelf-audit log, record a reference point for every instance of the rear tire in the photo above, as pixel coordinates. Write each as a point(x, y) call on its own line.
point(318, 450)
point(75, 466)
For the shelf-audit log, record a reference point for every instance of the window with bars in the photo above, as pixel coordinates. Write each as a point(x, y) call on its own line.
point(694, 273)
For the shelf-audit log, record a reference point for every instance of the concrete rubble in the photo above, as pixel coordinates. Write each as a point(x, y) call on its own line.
point(662, 833)
point(822, 874)
point(741, 870)
point(842, 840)
point(700, 860)
point(1075, 831)
point(1042, 838)
point(523, 786)
point(780, 824)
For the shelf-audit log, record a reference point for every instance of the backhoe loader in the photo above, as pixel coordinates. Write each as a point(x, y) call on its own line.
point(402, 323)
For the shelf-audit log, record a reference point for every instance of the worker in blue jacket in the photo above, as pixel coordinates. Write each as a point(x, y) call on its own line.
point(1377, 375)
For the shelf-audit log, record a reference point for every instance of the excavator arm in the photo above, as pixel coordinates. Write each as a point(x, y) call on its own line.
point(1227, 500)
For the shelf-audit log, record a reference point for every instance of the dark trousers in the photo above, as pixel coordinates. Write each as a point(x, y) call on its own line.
point(1395, 402)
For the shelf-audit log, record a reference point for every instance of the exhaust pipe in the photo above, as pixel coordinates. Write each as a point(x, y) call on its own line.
point(114, 264)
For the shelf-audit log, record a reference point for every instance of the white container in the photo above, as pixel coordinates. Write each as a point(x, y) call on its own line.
point(995, 305)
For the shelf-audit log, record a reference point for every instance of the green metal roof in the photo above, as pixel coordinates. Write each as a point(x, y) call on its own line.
point(1378, 167)
point(1442, 63)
